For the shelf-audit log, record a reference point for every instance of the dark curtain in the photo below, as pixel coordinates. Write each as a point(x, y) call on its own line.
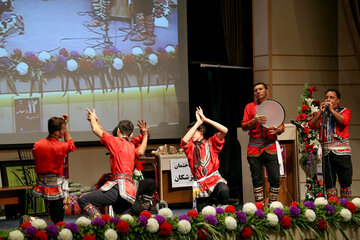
point(235, 19)
point(352, 15)
point(220, 32)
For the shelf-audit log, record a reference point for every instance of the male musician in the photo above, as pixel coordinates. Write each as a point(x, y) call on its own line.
point(120, 193)
point(49, 154)
point(210, 188)
point(333, 124)
point(262, 147)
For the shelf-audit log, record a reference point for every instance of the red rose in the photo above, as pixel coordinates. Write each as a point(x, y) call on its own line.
point(146, 213)
point(230, 209)
point(63, 52)
point(41, 235)
point(321, 183)
point(246, 233)
point(123, 227)
point(163, 56)
point(306, 130)
point(193, 213)
point(309, 147)
point(25, 225)
point(201, 234)
point(304, 107)
point(351, 207)
point(84, 64)
point(259, 205)
point(322, 224)
point(312, 89)
point(294, 204)
point(34, 61)
point(105, 217)
point(286, 222)
point(165, 229)
point(333, 200)
point(61, 224)
point(148, 50)
point(88, 237)
point(301, 117)
point(17, 52)
point(129, 59)
point(319, 195)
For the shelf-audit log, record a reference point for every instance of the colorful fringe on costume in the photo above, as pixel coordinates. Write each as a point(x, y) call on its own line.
point(346, 192)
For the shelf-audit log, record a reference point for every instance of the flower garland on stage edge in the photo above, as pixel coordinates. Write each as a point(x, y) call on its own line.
point(321, 218)
point(111, 68)
point(309, 145)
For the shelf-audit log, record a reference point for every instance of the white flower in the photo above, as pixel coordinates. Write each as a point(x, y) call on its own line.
point(71, 65)
point(153, 59)
point(346, 214)
point(315, 142)
point(276, 204)
point(272, 219)
point(83, 222)
point(184, 226)
point(137, 172)
point(320, 201)
point(118, 63)
point(249, 208)
point(309, 101)
point(209, 210)
point(3, 53)
point(310, 215)
point(302, 147)
point(22, 68)
point(44, 56)
point(165, 212)
point(137, 51)
point(170, 49)
point(152, 225)
point(65, 234)
point(127, 218)
point(356, 201)
point(314, 109)
point(39, 223)
point(304, 124)
point(110, 234)
point(16, 235)
point(230, 223)
point(90, 52)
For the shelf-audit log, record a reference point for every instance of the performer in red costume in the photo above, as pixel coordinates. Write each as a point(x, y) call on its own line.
point(334, 133)
point(262, 148)
point(210, 187)
point(120, 192)
point(49, 154)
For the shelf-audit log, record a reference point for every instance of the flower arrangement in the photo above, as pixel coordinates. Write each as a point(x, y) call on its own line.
point(112, 69)
point(309, 145)
point(321, 218)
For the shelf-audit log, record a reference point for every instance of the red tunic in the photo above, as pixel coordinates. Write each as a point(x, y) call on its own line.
point(209, 163)
point(122, 157)
point(339, 135)
point(260, 138)
point(49, 154)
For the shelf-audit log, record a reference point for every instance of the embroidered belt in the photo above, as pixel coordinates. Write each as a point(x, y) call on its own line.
point(259, 142)
point(49, 180)
point(338, 147)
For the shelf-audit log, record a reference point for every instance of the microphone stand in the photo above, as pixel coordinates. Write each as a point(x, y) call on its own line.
point(324, 123)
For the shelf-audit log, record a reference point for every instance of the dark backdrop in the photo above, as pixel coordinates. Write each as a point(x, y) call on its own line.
point(220, 32)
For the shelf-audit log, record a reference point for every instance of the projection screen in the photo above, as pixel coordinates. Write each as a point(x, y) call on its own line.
point(125, 58)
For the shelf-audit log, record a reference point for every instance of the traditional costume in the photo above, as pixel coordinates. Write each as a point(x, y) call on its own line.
point(204, 164)
point(261, 150)
point(337, 152)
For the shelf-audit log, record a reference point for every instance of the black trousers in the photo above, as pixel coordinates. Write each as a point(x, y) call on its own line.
point(220, 195)
point(272, 167)
point(146, 187)
point(110, 197)
point(340, 166)
point(56, 210)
